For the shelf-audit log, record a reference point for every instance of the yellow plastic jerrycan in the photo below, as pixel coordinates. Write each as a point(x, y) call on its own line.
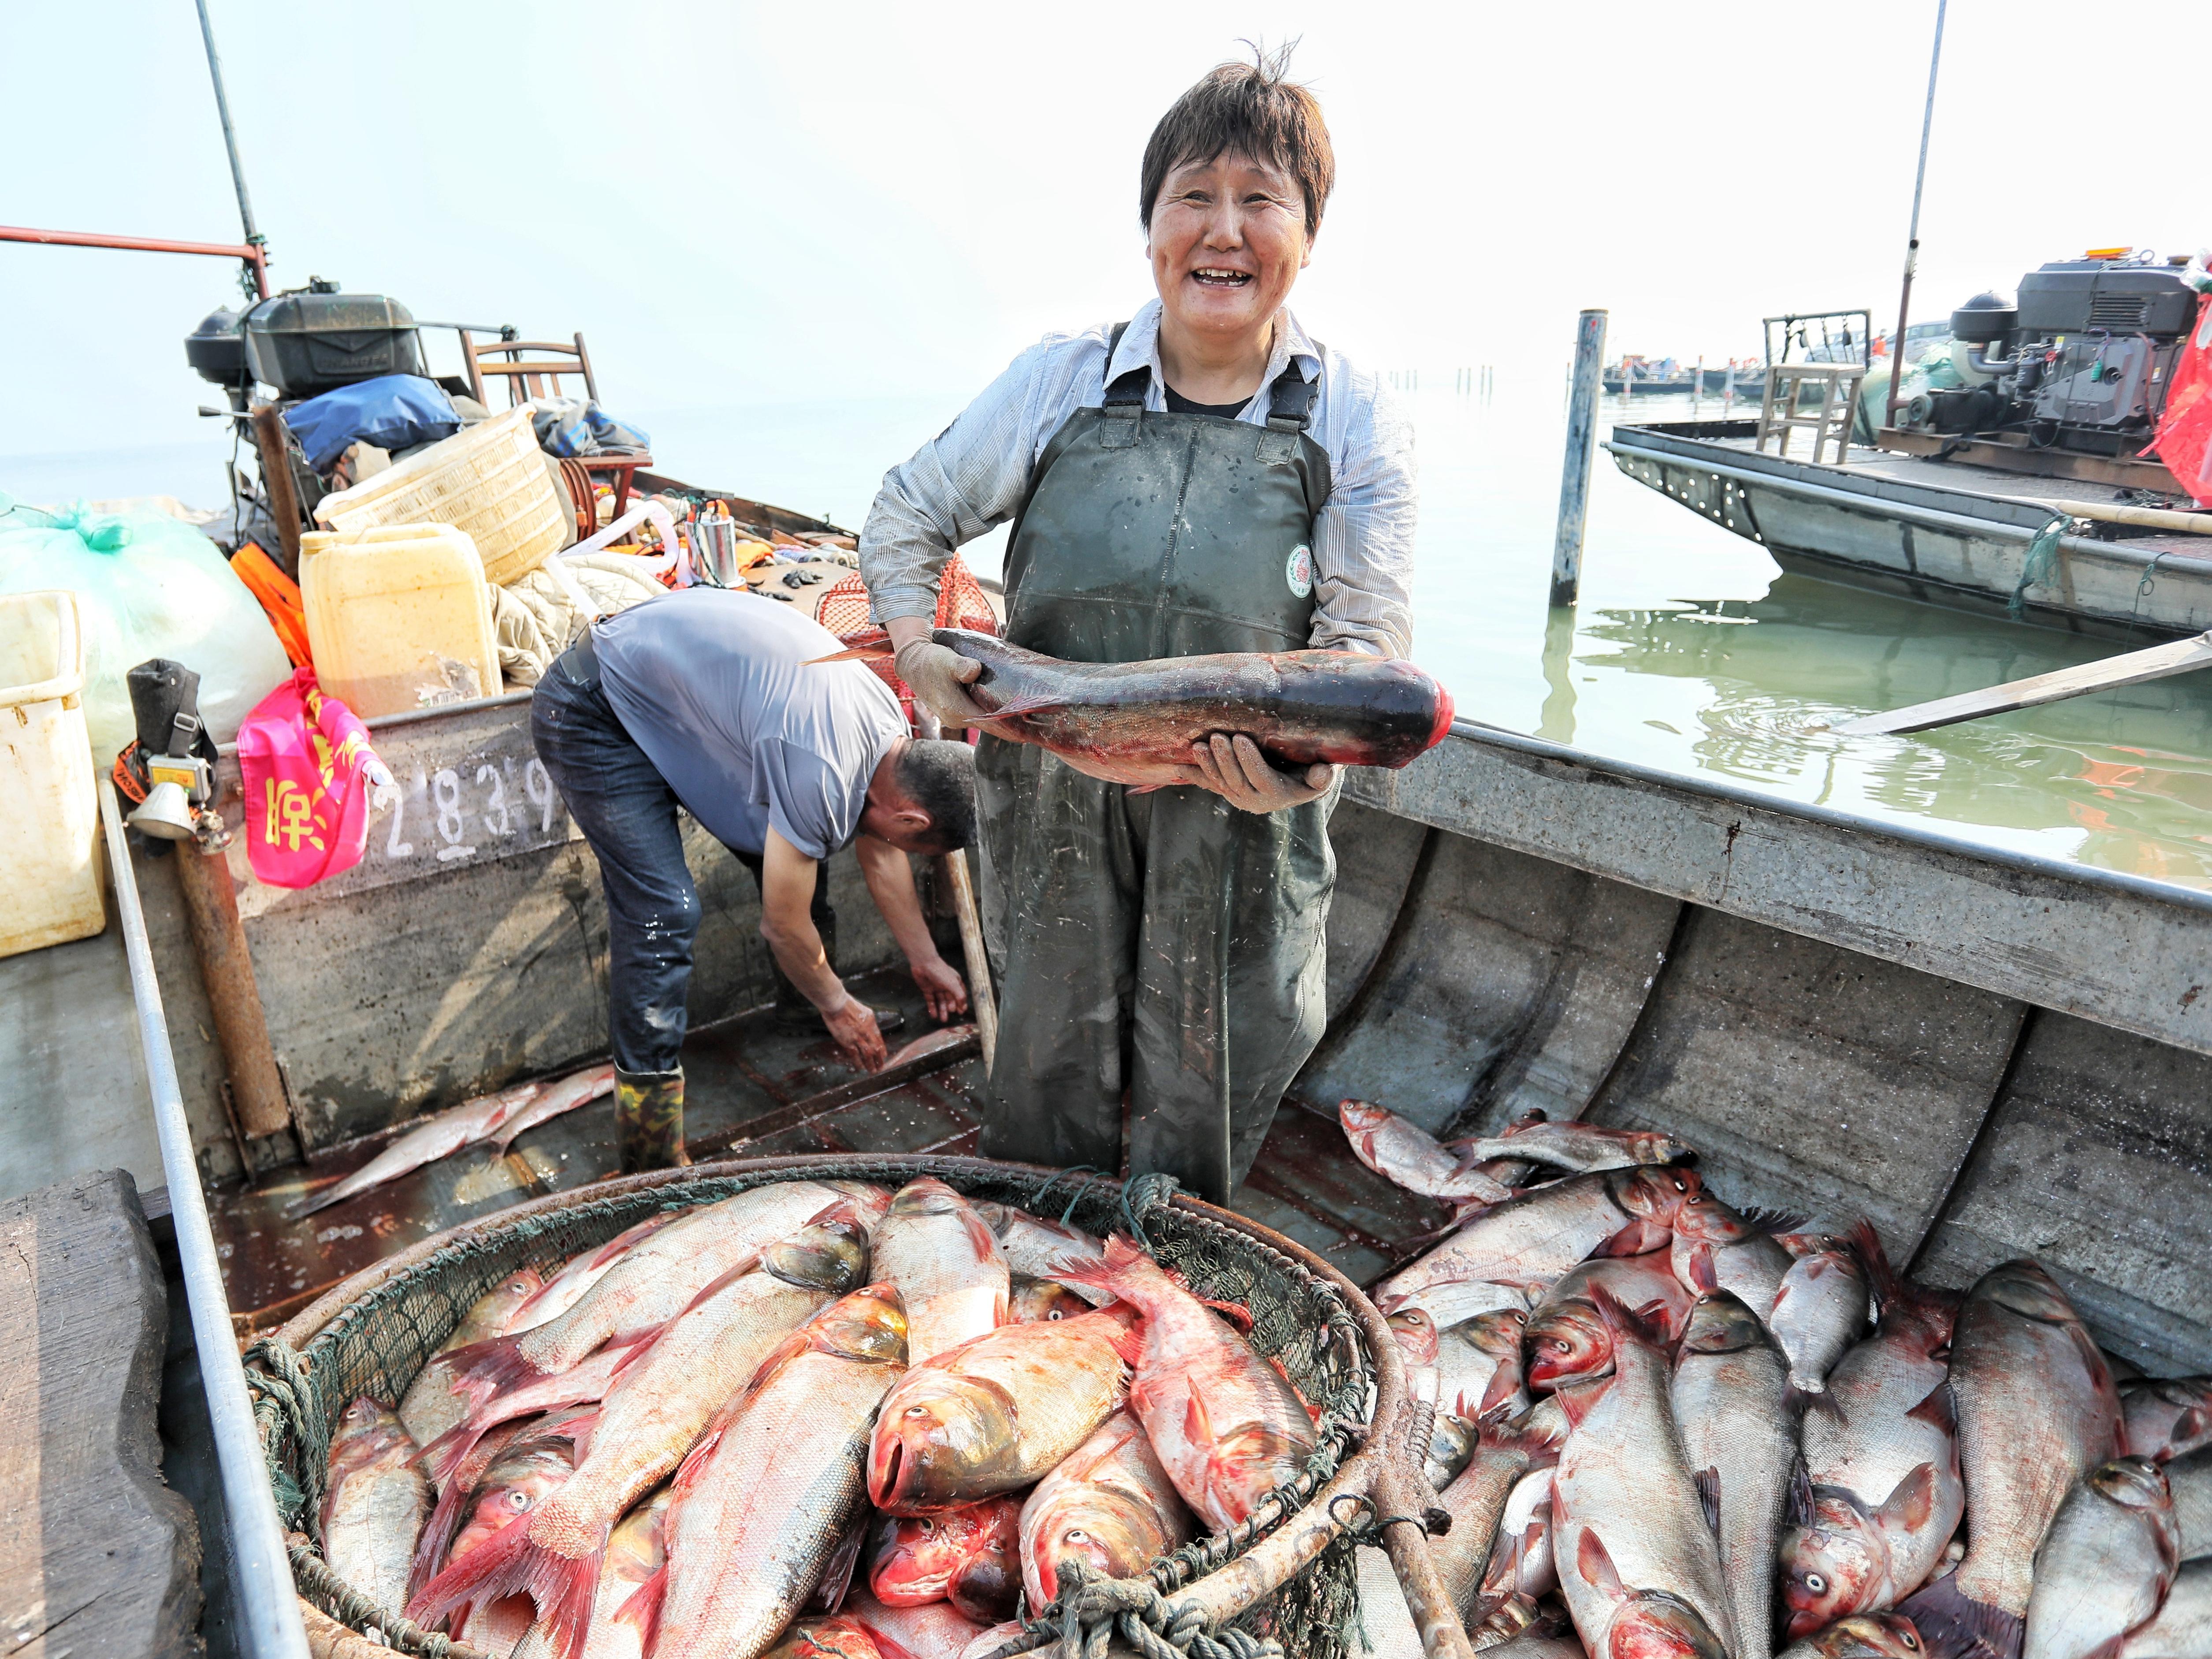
point(49, 887)
point(398, 618)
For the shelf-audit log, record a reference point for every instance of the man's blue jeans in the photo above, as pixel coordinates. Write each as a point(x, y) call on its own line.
point(628, 813)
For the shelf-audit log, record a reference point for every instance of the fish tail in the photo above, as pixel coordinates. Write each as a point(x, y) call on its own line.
point(1888, 1288)
point(485, 1369)
point(1112, 1274)
point(438, 1531)
point(509, 1564)
point(337, 1193)
point(1953, 1626)
point(445, 1454)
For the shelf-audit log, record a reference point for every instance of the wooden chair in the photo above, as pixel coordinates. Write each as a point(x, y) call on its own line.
point(527, 377)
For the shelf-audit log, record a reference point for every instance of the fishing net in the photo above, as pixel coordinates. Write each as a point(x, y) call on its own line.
point(376, 1342)
point(961, 602)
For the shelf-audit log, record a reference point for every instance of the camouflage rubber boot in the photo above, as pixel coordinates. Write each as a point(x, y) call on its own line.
point(649, 1119)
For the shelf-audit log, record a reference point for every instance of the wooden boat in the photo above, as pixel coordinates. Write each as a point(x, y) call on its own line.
point(1987, 1054)
point(1953, 532)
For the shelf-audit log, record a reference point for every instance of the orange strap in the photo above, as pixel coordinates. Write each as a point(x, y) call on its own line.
point(279, 596)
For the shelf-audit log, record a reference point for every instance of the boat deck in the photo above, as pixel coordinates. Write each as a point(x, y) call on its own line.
point(753, 1091)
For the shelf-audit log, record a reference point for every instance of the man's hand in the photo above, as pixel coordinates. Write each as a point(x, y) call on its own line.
point(942, 989)
point(937, 675)
point(1235, 770)
point(852, 1025)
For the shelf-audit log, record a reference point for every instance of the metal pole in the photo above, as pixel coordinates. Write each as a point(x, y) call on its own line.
point(1912, 235)
point(1582, 444)
point(229, 136)
point(270, 1626)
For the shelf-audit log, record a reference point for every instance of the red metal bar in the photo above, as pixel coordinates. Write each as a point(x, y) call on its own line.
point(248, 251)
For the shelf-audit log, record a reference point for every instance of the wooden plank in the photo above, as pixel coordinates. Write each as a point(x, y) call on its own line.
point(97, 1556)
point(2128, 668)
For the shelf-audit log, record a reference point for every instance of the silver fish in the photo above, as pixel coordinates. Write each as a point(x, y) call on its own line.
point(1731, 1397)
point(1506, 1449)
point(1629, 1531)
point(1578, 1147)
point(2191, 1477)
point(1819, 1312)
point(2183, 1629)
point(946, 1261)
point(1862, 1636)
point(1408, 1156)
point(2107, 1563)
point(1715, 1249)
point(2166, 1416)
point(2037, 1410)
point(376, 1503)
point(431, 1406)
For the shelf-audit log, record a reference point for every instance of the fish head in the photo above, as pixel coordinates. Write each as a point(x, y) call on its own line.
point(1702, 1217)
point(1832, 1565)
point(1499, 1334)
point(1040, 1302)
point(1360, 1115)
point(366, 1431)
point(2167, 1417)
point(942, 1440)
point(1656, 1146)
point(2026, 1289)
point(1655, 1625)
point(1656, 1193)
point(1113, 1533)
point(1568, 1344)
point(1416, 1333)
point(927, 1196)
point(830, 1639)
point(1451, 1448)
point(1871, 1635)
point(916, 1556)
point(1721, 1323)
point(828, 1255)
point(2133, 1483)
point(516, 1482)
point(987, 1586)
point(869, 1324)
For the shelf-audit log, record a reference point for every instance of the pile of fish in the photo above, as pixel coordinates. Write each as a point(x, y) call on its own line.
point(1671, 1428)
point(815, 1418)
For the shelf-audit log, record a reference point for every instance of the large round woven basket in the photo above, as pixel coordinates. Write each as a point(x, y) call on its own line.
point(1286, 1573)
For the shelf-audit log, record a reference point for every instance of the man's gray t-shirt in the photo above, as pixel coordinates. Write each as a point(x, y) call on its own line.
point(714, 687)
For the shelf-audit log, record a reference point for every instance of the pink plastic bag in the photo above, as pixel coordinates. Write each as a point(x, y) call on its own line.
point(308, 772)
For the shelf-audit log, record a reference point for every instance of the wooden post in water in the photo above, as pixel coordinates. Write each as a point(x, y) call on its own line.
point(1582, 444)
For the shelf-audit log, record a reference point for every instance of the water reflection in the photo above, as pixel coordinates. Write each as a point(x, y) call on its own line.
point(2114, 779)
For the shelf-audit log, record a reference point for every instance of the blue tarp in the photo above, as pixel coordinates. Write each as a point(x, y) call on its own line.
point(392, 411)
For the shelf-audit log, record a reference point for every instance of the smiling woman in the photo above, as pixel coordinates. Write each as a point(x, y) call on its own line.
point(1204, 477)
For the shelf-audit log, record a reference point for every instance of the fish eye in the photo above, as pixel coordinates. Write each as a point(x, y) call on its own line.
point(1910, 1641)
point(1056, 1313)
point(1816, 1583)
point(917, 1411)
point(1563, 1344)
point(517, 1500)
point(1680, 1185)
point(1076, 1535)
point(924, 1526)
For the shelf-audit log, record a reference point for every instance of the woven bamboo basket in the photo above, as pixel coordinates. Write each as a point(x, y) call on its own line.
point(1286, 1575)
point(489, 480)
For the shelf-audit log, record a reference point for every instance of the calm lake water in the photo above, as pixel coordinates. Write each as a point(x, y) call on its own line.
point(1690, 650)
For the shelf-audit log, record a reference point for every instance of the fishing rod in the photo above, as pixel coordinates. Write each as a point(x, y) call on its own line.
point(259, 281)
point(1912, 235)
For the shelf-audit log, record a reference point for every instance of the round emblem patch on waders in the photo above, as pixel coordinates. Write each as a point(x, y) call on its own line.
point(1299, 571)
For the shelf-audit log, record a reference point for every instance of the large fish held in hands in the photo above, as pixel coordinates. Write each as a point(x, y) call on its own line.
point(2037, 1410)
point(1134, 722)
point(1228, 1428)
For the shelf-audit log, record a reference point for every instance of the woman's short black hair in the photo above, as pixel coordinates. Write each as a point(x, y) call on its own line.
point(1252, 110)
point(938, 775)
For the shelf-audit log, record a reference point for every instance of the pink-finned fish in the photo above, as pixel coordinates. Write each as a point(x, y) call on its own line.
point(1228, 1428)
point(376, 1503)
point(554, 1099)
point(1134, 722)
point(1408, 1156)
point(449, 1131)
point(2106, 1563)
point(1109, 1506)
point(431, 1406)
point(968, 1557)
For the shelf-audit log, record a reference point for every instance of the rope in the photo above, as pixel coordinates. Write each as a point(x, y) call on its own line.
point(2041, 563)
point(1093, 1610)
point(287, 1409)
point(315, 1580)
point(1147, 1194)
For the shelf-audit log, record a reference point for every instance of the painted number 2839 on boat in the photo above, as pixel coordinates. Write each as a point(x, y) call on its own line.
point(502, 804)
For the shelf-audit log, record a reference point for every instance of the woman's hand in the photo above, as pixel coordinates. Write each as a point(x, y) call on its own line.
point(1235, 770)
point(852, 1026)
point(942, 989)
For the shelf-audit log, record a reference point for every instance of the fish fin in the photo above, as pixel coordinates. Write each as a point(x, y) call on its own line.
point(1704, 1279)
point(641, 1610)
point(857, 654)
point(509, 1564)
point(1197, 1421)
point(1773, 1221)
point(1504, 1383)
point(1938, 1410)
point(1812, 1396)
point(1576, 1399)
point(1952, 1627)
point(837, 1576)
point(2191, 1425)
point(1653, 1315)
point(1014, 707)
point(438, 1532)
point(1622, 1320)
point(687, 1473)
point(1881, 1275)
point(1708, 1482)
point(1798, 1510)
point(1109, 1273)
point(490, 1367)
point(1908, 1507)
point(984, 1242)
point(1594, 1562)
point(1139, 788)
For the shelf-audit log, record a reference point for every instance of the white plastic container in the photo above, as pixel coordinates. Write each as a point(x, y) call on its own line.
point(398, 618)
point(50, 886)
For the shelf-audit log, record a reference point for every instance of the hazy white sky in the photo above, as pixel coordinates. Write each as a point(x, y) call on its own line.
point(757, 203)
